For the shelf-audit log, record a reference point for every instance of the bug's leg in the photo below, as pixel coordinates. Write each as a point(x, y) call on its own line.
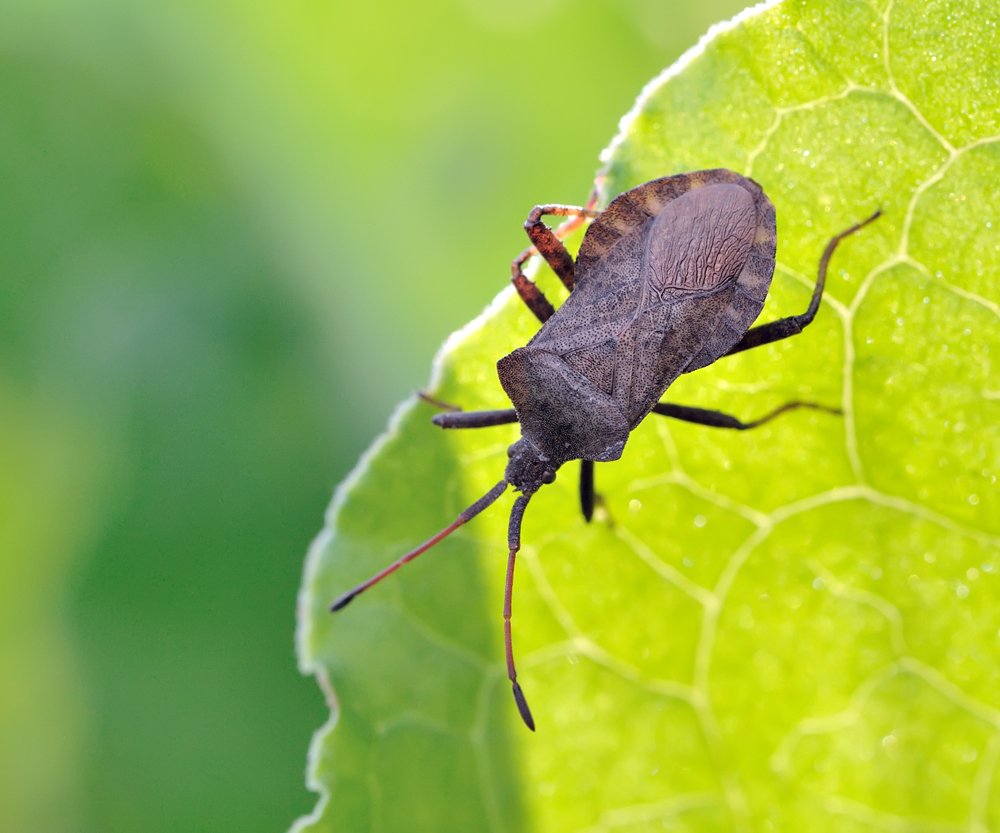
point(547, 242)
point(455, 417)
point(717, 419)
point(589, 498)
point(475, 419)
point(794, 324)
point(587, 489)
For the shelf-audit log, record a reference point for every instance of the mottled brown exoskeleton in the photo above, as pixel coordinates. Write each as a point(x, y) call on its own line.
point(669, 278)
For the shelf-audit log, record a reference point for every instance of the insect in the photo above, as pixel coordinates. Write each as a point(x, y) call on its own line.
point(668, 279)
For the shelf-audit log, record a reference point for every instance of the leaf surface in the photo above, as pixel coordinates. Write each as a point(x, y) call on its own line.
point(792, 628)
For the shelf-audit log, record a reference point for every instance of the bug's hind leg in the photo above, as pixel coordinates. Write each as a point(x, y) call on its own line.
point(718, 419)
point(547, 242)
point(794, 324)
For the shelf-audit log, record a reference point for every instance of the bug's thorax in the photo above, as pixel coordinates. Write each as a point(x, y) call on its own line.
point(528, 469)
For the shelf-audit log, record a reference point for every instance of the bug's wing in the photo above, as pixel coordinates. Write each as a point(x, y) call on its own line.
point(708, 264)
point(669, 277)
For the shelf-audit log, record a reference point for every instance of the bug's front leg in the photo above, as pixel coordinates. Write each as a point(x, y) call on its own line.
point(794, 324)
point(455, 417)
point(547, 242)
point(475, 419)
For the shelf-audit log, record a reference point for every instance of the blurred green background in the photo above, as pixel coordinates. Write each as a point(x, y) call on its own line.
point(231, 238)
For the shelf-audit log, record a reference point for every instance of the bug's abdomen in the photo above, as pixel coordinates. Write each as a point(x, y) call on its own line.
point(671, 337)
point(706, 266)
point(709, 260)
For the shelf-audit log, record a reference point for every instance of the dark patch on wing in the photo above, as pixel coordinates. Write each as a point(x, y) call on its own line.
point(700, 241)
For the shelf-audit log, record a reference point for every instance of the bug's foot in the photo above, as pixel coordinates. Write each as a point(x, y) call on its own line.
point(602, 511)
point(598, 509)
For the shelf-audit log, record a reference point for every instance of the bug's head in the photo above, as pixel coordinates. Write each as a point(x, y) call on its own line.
point(528, 469)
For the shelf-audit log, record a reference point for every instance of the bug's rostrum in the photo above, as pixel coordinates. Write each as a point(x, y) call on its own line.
point(528, 469)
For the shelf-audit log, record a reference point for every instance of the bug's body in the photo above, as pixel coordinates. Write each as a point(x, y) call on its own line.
point(669, 277)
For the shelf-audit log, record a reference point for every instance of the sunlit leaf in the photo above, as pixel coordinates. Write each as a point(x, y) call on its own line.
point(793, 628)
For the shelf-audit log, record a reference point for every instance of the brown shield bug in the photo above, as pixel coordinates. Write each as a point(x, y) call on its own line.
point(669, 278)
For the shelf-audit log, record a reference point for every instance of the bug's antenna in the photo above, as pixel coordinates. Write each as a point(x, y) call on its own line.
point(464, 517)
point(514, 543)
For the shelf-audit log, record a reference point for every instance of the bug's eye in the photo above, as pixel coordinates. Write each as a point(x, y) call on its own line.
point(549, 476)
point(510, 450)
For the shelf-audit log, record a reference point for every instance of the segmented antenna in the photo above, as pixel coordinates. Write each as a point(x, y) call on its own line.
point(464, 517)
point(514, 543)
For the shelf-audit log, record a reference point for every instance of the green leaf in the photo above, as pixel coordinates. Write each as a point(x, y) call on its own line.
point(792, 628)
